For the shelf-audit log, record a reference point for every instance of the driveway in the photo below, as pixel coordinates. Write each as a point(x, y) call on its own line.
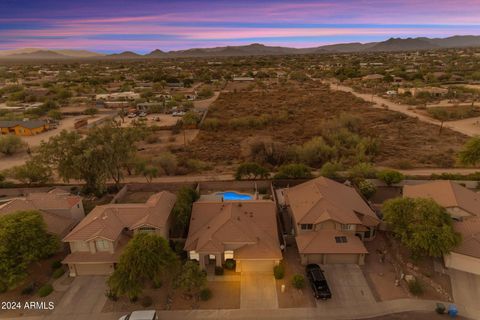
point(83, 300)
point(348, 286)
point(466, 290)
point(258, 291)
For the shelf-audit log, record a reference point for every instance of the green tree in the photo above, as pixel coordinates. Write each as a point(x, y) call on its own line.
point(298, 281)
point(470, 154)
point(422, 225)
point(315, 152)
point(366, 188)
point(251, 170)
point(183, 209)
point(191, 278)
point(55, 114)
point(390, 176)
point(23, 240)
point(147, 257)
point(293, 171)
point(362, 171)
point(10, 144)
point(331, 170)
point(32, 172)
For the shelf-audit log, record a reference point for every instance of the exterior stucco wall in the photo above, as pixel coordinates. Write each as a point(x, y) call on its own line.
point(462, 262)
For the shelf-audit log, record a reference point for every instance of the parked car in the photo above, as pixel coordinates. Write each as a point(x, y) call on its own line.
point(132, 115)
point(141, 315)
point(318, 282)
point(142, 114)
point(178, 114)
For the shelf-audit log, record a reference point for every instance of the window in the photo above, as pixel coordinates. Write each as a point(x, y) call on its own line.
point(341, 239)
point(146, 229)
point(102, 245)
point(228, 254)
point(194, 255)
point(308, 226)
point(347, 227)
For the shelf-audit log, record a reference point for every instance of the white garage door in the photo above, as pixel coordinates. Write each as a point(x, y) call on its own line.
point(342, 258)
point(94, 269)
point(256, 265)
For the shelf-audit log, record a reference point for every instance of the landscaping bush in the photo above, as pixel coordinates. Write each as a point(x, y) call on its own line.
point(298, 281)
point(56, 264)
point(147, 301)
point(30, 289)
point(205, 294)
point(293, 171)
point(218, 271)
point(45, 290)
point(415, 287)
point(390, 176)
point(279, 271)
point(58, 273)
point(367, 189)
point(230, 264)
point(111, 295)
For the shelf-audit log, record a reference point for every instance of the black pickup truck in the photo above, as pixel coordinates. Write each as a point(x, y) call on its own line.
point(318, 282)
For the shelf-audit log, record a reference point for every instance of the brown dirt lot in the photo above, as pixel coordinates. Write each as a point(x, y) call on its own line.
point(300, 111)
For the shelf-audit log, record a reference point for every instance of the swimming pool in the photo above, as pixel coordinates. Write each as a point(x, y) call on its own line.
point(231, 195)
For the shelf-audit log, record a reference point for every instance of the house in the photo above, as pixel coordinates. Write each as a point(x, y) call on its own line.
point(242, 230)
point(373, 77)
point(434, 91)
point(459, 201)
point(330, 222)
point(60, 210)
point(23, 128)
point(464, 207)
point(97, 242)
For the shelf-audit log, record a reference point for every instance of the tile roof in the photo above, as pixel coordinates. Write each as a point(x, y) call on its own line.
point(50, 205)
point(447, 194)
point(322, 199)
point(108, 221)
point(250, 224)
point(31, 124)
point(470, 231)
point(323, 241)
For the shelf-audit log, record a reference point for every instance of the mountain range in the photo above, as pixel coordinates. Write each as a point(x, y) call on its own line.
point(255, 49)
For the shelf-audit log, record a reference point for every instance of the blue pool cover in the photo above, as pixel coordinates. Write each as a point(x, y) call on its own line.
point(230, 195)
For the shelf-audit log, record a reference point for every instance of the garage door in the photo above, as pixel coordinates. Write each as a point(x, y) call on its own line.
point(256, 265)
point(94, 269)
point(341, 258)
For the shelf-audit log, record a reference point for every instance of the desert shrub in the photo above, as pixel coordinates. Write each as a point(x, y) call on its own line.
point(133, 299)
point(58, 273)
point(273, 153)
point(366, 188)
point(315, 152)
point(205, 294)
point(251, 170)
point(29, 290)
point(3, 287)
point(415, 287)
point(45, 290)
point(157, 283)
point(390, 176)
point(10, 144)
point(218, 271)
point(279, 271)
point(362, 171)
point(230, 264)
point(195, 165)
point(146, 302)
point(151, 139)
point(298, 281)
point(56, 264)
point(331, 170)
point(293, 171)
point(212, 124)
point(168, 162)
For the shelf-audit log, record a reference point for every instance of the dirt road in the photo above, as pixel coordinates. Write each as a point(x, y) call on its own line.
point(469, 127)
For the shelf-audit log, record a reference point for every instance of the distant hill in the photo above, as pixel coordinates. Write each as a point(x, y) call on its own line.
point(255, 49)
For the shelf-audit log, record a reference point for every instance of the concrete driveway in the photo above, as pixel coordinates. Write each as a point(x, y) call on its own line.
point(83, 300)
point(348, 286)
point(466, 290)
point(258, 291)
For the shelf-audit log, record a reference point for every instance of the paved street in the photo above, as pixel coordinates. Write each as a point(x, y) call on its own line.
point(258, 291)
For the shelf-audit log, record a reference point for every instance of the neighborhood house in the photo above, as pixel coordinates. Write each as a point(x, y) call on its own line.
point(245, 231)
point(23, 128)
point(60, 210)
point(97, 242)
point(330, 222)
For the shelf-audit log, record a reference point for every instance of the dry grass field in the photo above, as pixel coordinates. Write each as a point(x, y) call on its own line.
point(295, 115)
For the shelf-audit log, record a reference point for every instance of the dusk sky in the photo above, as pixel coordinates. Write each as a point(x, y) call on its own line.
point(145, 25)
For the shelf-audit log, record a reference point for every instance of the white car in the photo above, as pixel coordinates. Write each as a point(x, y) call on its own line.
point(141, 315)
point(132, 115)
